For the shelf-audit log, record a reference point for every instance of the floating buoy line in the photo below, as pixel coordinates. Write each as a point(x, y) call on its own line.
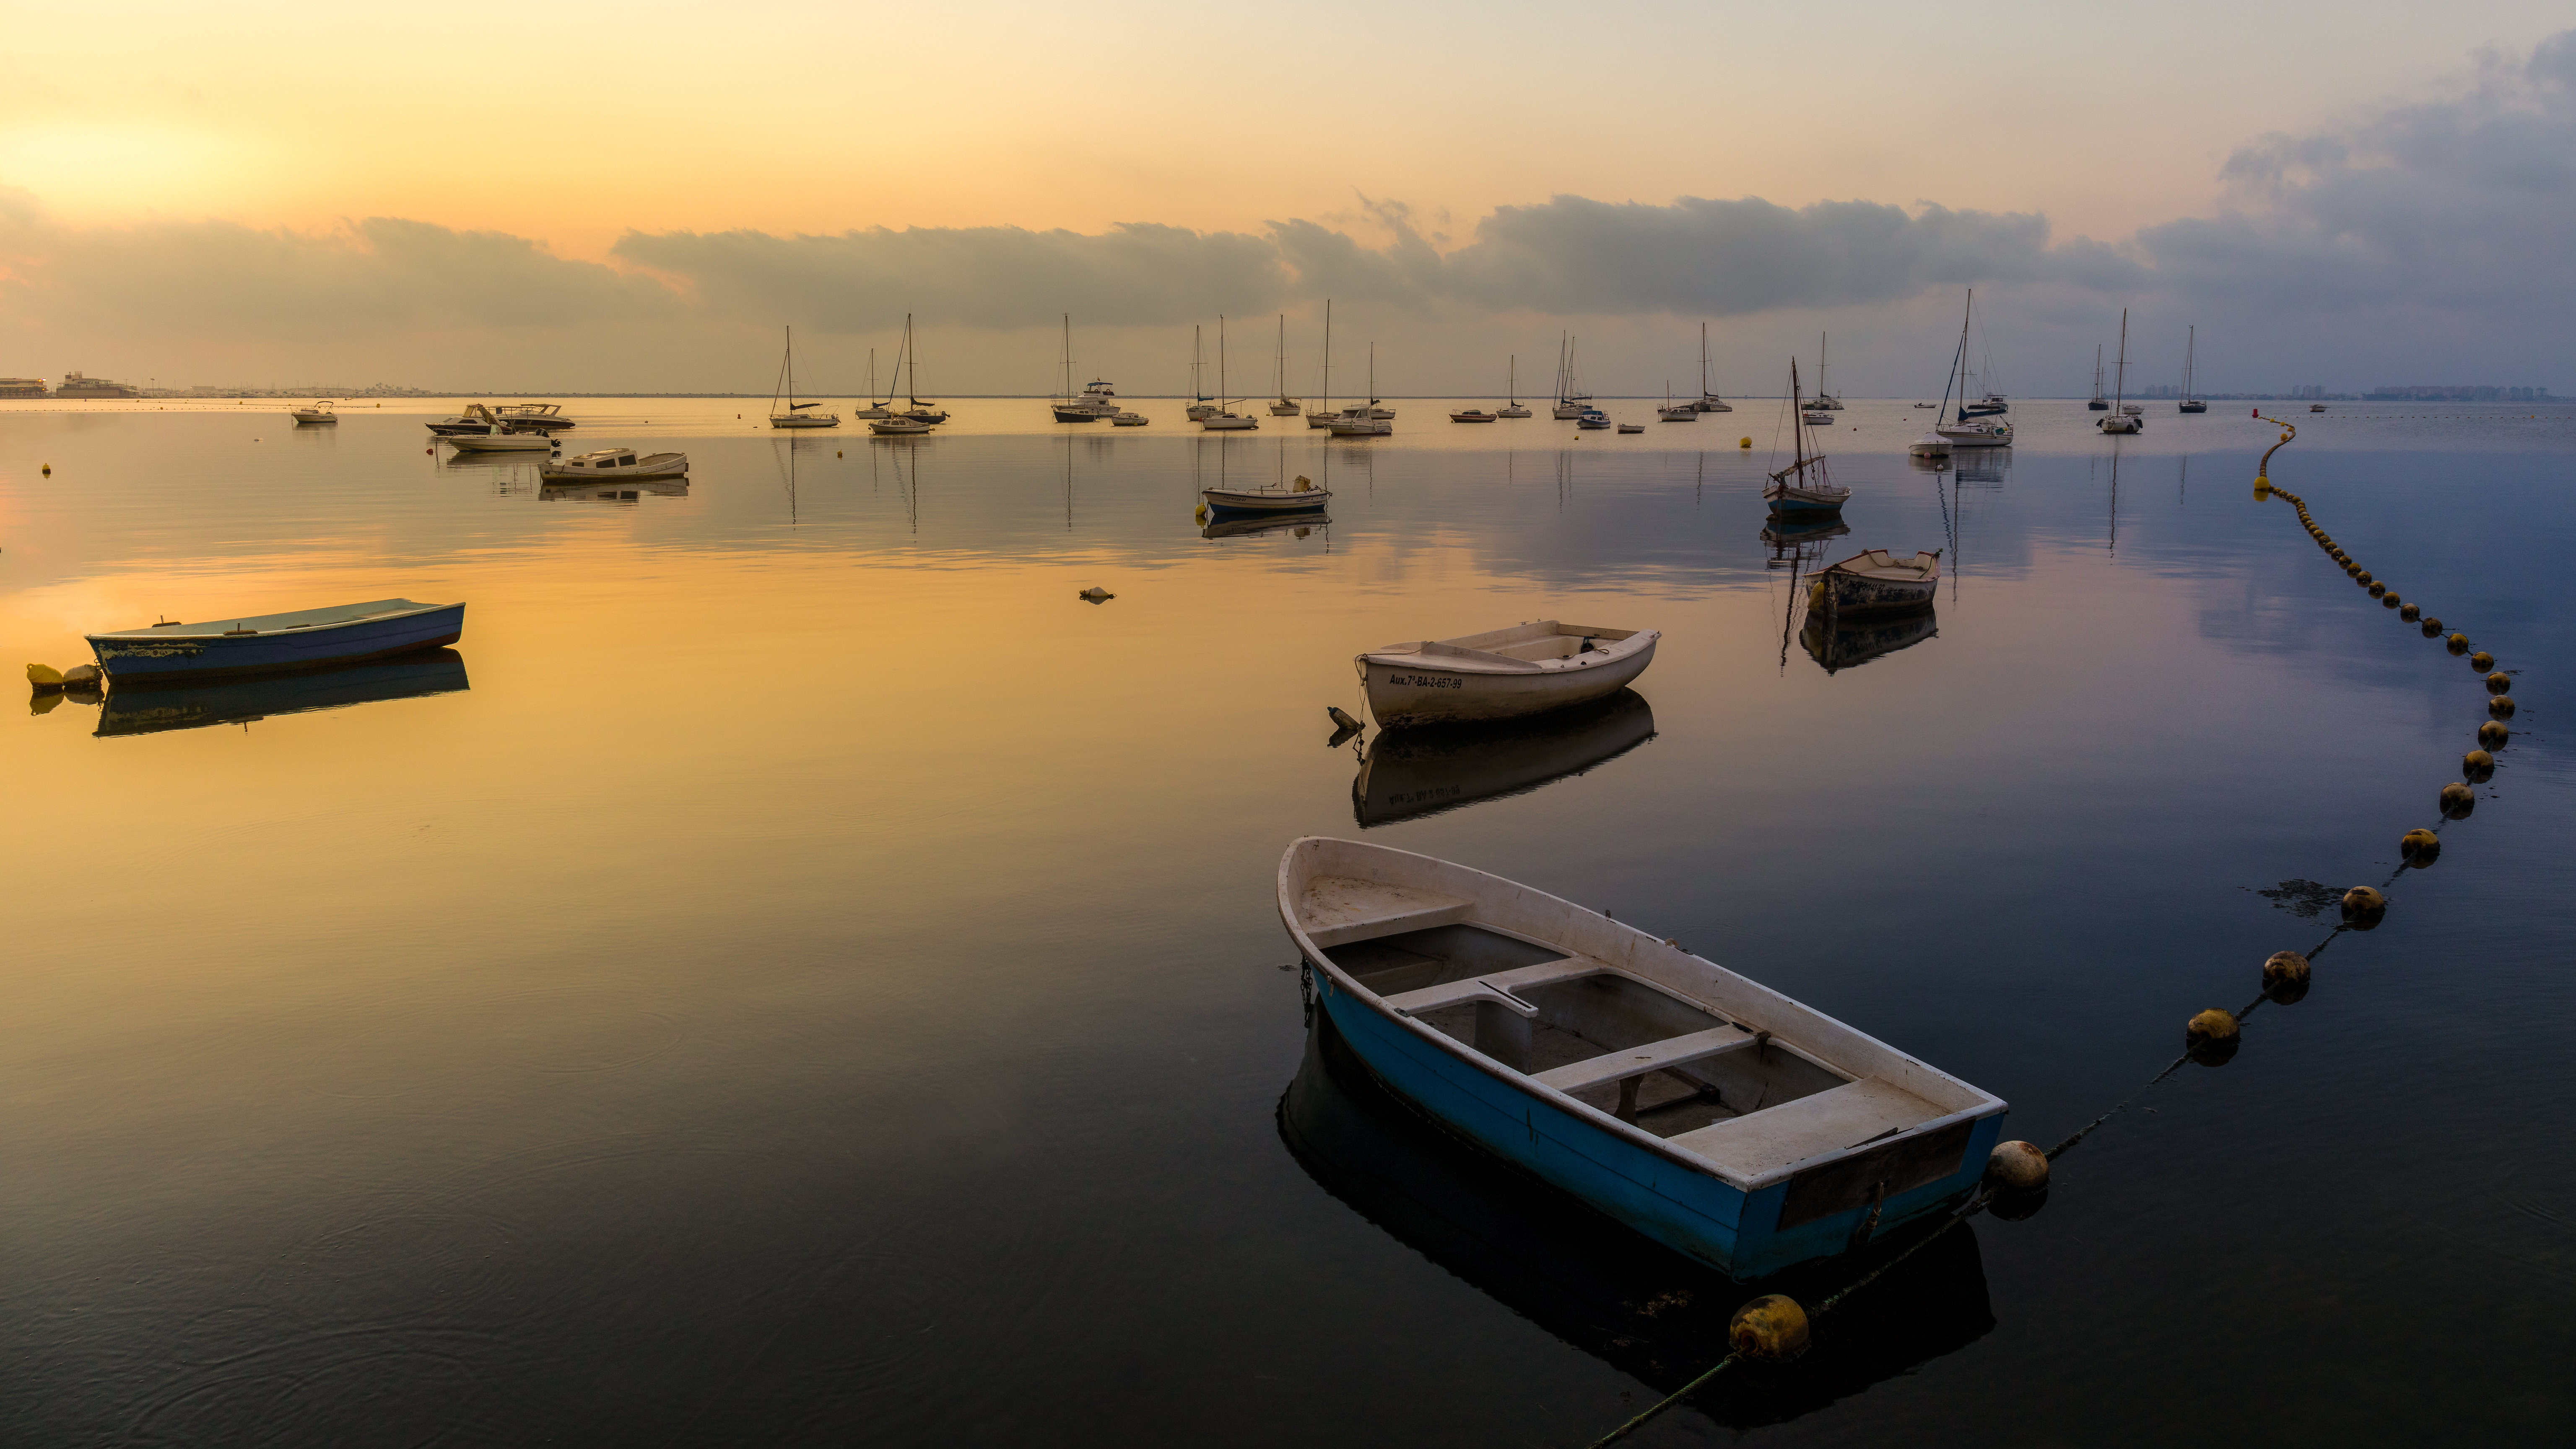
point(1774, 1328)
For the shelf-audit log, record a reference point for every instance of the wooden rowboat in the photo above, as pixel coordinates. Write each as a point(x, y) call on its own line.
point(1875, 582)
point(1526, 669)
point(1698, 1107)
point(305, 639)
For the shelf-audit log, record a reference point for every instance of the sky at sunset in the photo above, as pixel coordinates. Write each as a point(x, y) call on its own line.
point(636, 196)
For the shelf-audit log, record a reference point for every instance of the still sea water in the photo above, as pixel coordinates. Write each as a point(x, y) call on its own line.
point(796, 974)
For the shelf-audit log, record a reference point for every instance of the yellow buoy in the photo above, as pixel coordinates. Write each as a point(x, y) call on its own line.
point(2419, 845)
point(1772, 1327)
point(2376, 589)
point(2210, 1037)
point(2493, 734)
point(2284, 971)
point(2262, 489)
point(2477, 765)
point(2500, 705)
point(1744, 442)
point(2482, 661)
point(2362, 901)
point(2499, 683)
point(2458, 643)
point(44, 676)
point(2432, 628)
point(2408, 612)
point(2458, 800)
point(2017, 1167)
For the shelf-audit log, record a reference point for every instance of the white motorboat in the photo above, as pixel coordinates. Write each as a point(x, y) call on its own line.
point(2126, 416)
point(1708, 402)
point(1229, 422)
point(899, 425)
point(459, 426)
point(1683, 413)
point(1816, 418)
point(1472, 415)
point(1804, 490)
point(1875, 582)
point(539, 417)
point(1930, 445)
point(1526, 669)
point(1592, 418)
point(1129, 420)
point(320, 412)
point(1355, 422)
point(1097, 400)
point(1632, 427)
point(784, 410)
point(1296, 498)
point(612, 465)
point(501, 443)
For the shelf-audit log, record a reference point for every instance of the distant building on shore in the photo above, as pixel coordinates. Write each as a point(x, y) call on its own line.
point(75, 385)
point(23, 387)
point(2476, 393)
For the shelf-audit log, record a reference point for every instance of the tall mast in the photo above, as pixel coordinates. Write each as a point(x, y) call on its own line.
point(1220, 362)
point(1514, 389)
point(1328, 354)
point(2191, 341)
point(1963, 352)
point(2120, 375)
point(1279, 365)
point(1703, 359)
point(791, 369)
point(1822, 391)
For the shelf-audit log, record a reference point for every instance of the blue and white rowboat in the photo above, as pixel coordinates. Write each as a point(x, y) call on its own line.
point(305, 639)
point(1702, 1109)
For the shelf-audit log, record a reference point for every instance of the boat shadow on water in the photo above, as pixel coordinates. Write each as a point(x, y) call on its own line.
point(142, 709)
point(622, 491)
point(1847, 643)
point(1611, 1293)
point(1226, 523)
point(1425, 769)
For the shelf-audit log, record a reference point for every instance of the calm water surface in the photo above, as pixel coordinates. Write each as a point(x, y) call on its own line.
point(797, 974)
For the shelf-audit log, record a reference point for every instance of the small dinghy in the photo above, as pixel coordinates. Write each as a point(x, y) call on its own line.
point(1875, 582)
point(1698, 1107)
point(1632, 427)
point(305, 639)
point(1299, 497)
point(613, 465)
point(1472, 415)
point(1526, 669)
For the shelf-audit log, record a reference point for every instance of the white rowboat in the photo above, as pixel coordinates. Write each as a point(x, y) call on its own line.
point(1526, 669)
point(609, 465)
point(1875, 582)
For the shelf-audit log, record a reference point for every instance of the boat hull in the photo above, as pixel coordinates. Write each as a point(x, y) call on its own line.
point(1416, 694)
point(131, 656)
point(1229, 500)
point(801, 421)
point(1850, 594)
point(1078, 415)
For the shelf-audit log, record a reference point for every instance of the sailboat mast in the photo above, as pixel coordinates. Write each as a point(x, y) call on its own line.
point(1328, 354)
point(1822, 391)
point(2120, 377)
point(2191, 343)
point(1220, 362)
point(1703, 359)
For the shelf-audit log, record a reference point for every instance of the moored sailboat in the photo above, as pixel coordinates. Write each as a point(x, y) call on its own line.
point(784, 410)
point(2191, 403)
point(1709, 401)
point(1803, 488)
point(2123, 419)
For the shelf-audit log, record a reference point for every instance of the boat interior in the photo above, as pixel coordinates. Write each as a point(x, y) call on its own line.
point(1528, 643)
point(1675, 1047)
point(1880, 561)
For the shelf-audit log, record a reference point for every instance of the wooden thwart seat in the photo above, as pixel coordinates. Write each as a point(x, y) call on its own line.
point(1637, 1061)
point(1828, 1121)
point(1495, 986)
point(1339, 909)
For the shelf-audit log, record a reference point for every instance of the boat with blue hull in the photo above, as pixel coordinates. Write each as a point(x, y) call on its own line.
point(303, 639)
point(1714, 1115)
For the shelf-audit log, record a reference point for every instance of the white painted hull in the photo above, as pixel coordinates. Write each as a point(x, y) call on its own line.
point(1450, 684)
point(1266, 500)
point(1229, 423)
point(655, 465)
point(803, 420)
point(502, 443)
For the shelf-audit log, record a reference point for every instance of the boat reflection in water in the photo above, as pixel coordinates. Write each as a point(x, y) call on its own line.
point(1252, 525)
point(1612, 1293)
point(627, 491)
point(1430, 768)
point(1850, 641)
point(147, 709)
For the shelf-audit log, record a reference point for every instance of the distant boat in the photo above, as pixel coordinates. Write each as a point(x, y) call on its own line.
point(1322, 417)
point(613, 465)
point(460, 426)
point(1283, 406)
point(1693, 1105)
point(1817, 418)
point(2316, 407)
point(1709, 401)
point(537, 417)
point(1364, 420)
point(1632, 427)
point(899, 425)
point(1804, 488)
point(304, 639)
point(928, 414)
point(2100, 404)
point(1930, 445)
point(876, 407)
point(320, 412)
point(496, 437)
point(1202, 407)
point(1129, 420)
point(1975, 427)
point(1225, 419)
point(2123, 419)
point(784, 410)
point(1875, 582)
point(1473, 415)
point(1673, 412)
point(1571, 400)
point(2190, 403)
point(1096, 401)
point(1525, 669)
point(1824, 401)
point(1300, 497)
point(1592, 418)
point(1513, 409)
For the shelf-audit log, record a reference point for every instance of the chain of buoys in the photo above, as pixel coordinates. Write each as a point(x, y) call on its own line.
point(1775, 1328)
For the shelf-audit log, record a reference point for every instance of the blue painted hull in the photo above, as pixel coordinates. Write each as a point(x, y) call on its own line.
point(1801, 508)
point(195, 653)
point(1694, 1213)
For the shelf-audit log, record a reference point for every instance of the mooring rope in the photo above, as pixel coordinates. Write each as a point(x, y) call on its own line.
point(2361, 917)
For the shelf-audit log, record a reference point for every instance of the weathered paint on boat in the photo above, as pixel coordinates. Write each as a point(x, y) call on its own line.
point(1876, 581)
point(1746, 1200)
point(304, 639)
point(1502, 673)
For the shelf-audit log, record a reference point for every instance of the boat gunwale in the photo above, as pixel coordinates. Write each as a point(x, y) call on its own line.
point(1290, 887)
point(151, 632)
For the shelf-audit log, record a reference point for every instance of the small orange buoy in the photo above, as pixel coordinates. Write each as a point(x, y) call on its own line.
point(1772, 1328)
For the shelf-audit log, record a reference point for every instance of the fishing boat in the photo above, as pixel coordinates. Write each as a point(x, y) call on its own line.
point(1096, 401)
point(1975, 426)
point(1225, 419)
point(784, 410)
point(613, 465)
point(539, 417)
point(1709, 401)
point(320, 412)
point(1571, 401)
point(2123, 418)
point(1473, 415)
point(1824, 401)
point(2190, 347)
point(1804, 489)
point(2099, 403)
point(304, 639)
point(1513, 408)
point(1526, 669)
point(1298, 497)
point(1592, 418)
point(1129, 420)
point(1700, 1108)
point(1283, 406)
point(1413, 772)
point(1875, 582)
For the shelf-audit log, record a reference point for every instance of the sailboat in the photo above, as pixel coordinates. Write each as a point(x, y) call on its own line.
point(1513, 409)
point(1571, 401)
point(1361, 420)
point(1824, 401)
point(1323, 417)
point(1976, 426)
point(1709, 402)
point(1673, 412)
point(1806, 496)
point(784, 410)
point(1098, 400)
point(875, 408)
point(1285, 406)
point(919, 412)
point(2190, 404)
point(1201, 407)
point(2122, 419)
point(923, 416)
point(2100, 404)
point(1225, 419)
